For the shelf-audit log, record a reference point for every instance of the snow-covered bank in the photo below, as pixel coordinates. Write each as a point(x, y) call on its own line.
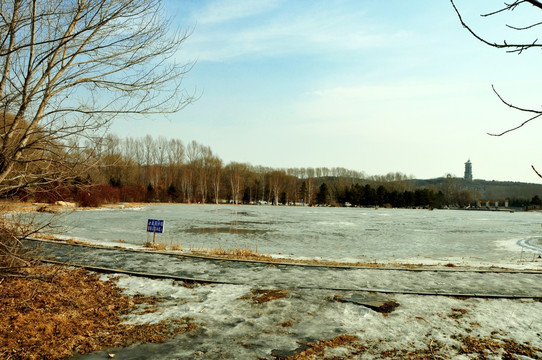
point(232, 325)
point(307, 313)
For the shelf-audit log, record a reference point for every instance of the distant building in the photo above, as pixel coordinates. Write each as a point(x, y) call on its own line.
point(468, 171)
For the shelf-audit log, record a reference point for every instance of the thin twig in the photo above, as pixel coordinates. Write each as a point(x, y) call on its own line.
point(515, 107)
point(431, 348)
point(513, 48)
point(537, 173)
point(506, 8)
point(525, 27)
point(517, 127)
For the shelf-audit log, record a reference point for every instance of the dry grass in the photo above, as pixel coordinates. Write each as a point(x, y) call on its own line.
point(154, 246)
point(429, 353)
point(247, 254)
point(52, 313)
point(457, 313)
point(260, 296)
point(485, 347)
point(319, 348)
point(238, 253)
point(473, 347)
point(12, 253)
point(254, 255)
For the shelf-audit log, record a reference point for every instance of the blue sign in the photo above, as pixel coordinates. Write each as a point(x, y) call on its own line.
point(155, 226)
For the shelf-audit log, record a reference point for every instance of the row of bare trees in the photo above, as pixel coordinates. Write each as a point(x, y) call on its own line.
point(161, 169)
point(114, 153)
point(172, 171)
point(193, 173)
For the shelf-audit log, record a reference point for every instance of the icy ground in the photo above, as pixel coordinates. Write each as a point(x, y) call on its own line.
point(270, 311)
point(232, 326)
point(419, 280)
point(321, 303)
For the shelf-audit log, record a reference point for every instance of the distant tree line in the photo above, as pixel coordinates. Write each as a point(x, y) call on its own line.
point(151, 169)
point(157, 169)
point(359, 195)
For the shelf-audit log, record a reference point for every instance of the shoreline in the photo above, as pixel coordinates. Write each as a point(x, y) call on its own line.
point(10, 205)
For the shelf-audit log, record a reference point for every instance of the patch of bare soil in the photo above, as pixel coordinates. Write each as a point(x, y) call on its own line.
point(484, 347)
point(260, 296)
point(54, 312)
point(429, 353)
point(475, 347)
point(318, 349)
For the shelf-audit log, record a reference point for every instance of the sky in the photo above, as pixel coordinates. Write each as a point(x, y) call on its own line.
point(371, 86)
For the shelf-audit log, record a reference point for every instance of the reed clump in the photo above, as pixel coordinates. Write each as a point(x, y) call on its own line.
point(154, 246)
point(235, 253)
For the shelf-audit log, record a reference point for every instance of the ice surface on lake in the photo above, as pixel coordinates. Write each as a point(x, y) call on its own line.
point(231, 326)
point(345, 234)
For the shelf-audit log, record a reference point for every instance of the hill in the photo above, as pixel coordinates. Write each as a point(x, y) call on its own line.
point(485, 189)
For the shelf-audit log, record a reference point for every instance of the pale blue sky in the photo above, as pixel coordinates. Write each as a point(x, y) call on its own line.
point(371, 86)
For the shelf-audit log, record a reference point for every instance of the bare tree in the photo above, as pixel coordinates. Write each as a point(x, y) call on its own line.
point(187, 183)
point(215, 164)
point(149, 151)
point(69, 67)
point(203, 168)
point(276, 184)
point(111, 160)
point(310, 186)
point(235, 173)
point(176, 152)
point(511, 46)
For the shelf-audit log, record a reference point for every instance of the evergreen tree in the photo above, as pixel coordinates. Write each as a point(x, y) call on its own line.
point(172, 192)
point(322, 198)
point(303, 192)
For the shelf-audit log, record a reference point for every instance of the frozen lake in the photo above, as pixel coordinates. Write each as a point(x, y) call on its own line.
point(339, 234)
point(316, 302)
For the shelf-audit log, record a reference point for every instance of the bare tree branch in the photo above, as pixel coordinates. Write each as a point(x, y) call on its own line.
point(524, 27)
point(508, 7)
point(535, 3)
point(511, 47)
point(537, 173)
point(515, 128)
point(510, 105)
point(68, 68)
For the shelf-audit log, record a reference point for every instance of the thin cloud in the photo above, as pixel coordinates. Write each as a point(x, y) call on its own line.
point(223, 11)
point(272, 30)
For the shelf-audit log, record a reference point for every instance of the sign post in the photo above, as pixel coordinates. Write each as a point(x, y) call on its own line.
point(155, 226)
